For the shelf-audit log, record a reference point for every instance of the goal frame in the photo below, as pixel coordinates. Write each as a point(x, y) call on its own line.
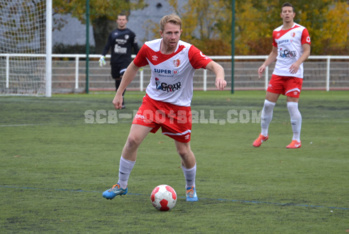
point(48, 56)
point(48, 81)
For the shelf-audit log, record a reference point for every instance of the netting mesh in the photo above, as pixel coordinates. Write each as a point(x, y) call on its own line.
point(22, 47)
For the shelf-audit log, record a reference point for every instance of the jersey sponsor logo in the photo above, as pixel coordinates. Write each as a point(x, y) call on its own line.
point(167, 87)
point(120, 41)
point(154, 58)
point(157, 83)
point(287, 53)
point(120, 50)
point(280, 42)
point(176, 62)
point(162, 71)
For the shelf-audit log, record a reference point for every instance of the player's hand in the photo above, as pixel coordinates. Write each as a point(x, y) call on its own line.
point(117, 101)
point(102, 61)
point(260, 71)
point(294, 68)
point(220, 84)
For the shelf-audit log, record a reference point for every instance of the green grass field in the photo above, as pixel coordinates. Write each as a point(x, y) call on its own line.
point(59, 154)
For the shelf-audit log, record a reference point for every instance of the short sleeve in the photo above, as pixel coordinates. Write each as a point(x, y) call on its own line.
point(141, 57)
point(197, 58)
point(305, 37)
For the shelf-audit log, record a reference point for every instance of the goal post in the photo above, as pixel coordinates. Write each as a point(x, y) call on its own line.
point(26, 47)
point(48, 81)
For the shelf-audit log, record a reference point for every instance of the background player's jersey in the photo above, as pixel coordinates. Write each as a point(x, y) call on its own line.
point(171, 74)
point(289, 44)
point(121, 42)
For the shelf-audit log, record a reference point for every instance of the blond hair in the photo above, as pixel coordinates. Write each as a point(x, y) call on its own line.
point(173, 18)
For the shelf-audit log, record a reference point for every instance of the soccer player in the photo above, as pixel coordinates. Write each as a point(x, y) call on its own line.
point(291, 47)
point(121, 41)
point(166, 104)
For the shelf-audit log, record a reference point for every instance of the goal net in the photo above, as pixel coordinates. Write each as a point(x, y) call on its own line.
point(25, 58)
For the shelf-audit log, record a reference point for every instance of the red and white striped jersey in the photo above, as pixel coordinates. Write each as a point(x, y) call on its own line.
point(171, 74)
point(289, 45)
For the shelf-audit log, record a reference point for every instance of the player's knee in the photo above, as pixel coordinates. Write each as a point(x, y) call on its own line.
point(184, 153)
point(133, 142)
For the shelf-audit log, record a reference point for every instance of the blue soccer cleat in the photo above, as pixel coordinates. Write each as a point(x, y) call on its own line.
point(114, 191)
point(191, 194)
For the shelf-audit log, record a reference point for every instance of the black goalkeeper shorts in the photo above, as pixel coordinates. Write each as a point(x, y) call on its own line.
point(118, 69)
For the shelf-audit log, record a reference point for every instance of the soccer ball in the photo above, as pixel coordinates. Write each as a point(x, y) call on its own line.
point(163, 197)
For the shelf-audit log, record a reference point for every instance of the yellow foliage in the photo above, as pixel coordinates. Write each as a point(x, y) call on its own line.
point(336, 27)
point(208, 23)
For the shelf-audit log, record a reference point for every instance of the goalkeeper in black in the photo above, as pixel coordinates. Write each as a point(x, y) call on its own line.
point(121, 41)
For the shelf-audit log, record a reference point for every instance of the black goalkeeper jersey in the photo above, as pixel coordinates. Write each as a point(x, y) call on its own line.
point(121, 42)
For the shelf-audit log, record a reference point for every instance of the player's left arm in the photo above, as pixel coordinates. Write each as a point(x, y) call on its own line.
point(219, 71)
point(306, 51)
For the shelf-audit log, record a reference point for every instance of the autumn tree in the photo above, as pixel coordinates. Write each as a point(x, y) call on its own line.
point(335, 30)
point(204, 23)
point(252, 28)
point(326, 21)
point(208, 24)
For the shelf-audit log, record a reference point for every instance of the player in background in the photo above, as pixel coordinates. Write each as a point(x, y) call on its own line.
point(291, 47)
point(166, 104)
point(121, 41)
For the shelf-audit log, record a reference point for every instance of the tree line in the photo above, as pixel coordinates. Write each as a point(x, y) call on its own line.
point(208, 23)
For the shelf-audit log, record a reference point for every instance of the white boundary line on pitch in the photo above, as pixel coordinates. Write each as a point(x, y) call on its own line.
point(20, 125)
point(213, 199)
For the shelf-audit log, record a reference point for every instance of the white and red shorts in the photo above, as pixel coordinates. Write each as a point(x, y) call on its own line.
point(175, 121)
point(285, 85)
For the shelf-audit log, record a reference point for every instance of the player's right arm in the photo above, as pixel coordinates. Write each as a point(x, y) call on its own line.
point(105, 51)
point(219, 71)
point(128, 76)
point(108, 44)
point(271, 58)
